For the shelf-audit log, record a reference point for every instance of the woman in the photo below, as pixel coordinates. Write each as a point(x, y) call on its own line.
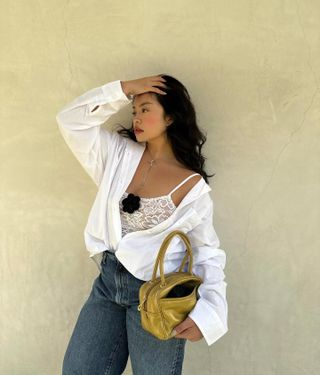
point(132, 214)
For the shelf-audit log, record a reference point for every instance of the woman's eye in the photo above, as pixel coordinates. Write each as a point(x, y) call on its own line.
point(144, 109)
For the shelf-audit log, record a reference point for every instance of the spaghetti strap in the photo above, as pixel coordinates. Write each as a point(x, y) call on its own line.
point(183, 182)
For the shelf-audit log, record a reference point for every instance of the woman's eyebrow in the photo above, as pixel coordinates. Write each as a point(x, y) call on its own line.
point(142, 104)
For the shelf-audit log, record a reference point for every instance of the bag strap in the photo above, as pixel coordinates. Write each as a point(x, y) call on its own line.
point(162, 251)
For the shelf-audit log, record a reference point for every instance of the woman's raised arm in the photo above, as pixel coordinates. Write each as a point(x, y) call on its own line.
point(80, 124)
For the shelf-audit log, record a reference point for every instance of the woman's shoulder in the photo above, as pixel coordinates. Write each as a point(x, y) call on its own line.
point(182, 174)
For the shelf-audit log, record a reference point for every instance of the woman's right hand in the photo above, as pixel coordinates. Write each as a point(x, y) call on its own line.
point(145, 84)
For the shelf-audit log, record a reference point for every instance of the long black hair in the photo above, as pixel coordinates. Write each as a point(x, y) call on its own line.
point(184, 134)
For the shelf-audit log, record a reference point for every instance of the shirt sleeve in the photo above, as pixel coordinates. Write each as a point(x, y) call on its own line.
point(211, 310)
point(80, 124)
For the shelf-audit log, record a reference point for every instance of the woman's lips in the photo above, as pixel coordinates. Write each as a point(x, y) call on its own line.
point(138, 131)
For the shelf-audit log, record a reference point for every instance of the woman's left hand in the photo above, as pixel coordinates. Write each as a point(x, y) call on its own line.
point(188, 329)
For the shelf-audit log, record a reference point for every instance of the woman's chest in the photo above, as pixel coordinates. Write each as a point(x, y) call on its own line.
point(159, 180)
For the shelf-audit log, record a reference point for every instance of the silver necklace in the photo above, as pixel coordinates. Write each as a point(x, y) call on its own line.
point(132, 202)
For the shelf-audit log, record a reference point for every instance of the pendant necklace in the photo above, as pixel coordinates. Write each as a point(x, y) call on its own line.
point(132, 202)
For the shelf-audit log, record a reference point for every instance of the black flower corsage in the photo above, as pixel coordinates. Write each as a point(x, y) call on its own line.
point(131, 203)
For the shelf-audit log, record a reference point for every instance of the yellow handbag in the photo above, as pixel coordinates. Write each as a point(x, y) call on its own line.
point(165, 301)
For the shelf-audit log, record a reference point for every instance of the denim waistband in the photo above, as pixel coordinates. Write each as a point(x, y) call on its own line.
point(109, 253)
point(118, 266)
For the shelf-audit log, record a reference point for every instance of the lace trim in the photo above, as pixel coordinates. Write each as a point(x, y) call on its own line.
point(152, 211)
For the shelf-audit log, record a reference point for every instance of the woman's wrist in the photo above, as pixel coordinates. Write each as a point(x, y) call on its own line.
point(126, 89)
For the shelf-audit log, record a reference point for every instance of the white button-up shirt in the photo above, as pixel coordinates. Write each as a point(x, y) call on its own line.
point(111, 160)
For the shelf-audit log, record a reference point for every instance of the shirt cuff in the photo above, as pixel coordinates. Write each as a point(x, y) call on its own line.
point(207, 321)
point(112, 91)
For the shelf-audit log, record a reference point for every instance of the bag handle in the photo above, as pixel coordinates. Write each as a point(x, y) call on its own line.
point(163, 250)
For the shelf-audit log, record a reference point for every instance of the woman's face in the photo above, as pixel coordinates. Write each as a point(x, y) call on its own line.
point(148, 116)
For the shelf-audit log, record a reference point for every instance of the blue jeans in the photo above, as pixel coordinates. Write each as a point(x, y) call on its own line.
point(108, 329)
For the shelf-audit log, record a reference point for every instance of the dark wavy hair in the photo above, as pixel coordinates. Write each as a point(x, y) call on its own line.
point(184, 134)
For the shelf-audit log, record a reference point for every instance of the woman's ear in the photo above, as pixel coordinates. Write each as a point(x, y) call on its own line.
point(169, 120)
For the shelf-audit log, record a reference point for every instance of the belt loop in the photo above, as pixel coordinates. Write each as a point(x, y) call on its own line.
point(104, 255)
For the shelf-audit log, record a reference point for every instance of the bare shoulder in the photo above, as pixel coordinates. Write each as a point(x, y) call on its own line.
point(184, 189)
point(191, 182)
point(181, 173)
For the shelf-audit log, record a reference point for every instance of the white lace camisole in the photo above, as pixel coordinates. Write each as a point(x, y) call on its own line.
point(152, 211)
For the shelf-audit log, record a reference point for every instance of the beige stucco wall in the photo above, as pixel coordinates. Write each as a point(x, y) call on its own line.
point(252, 69)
